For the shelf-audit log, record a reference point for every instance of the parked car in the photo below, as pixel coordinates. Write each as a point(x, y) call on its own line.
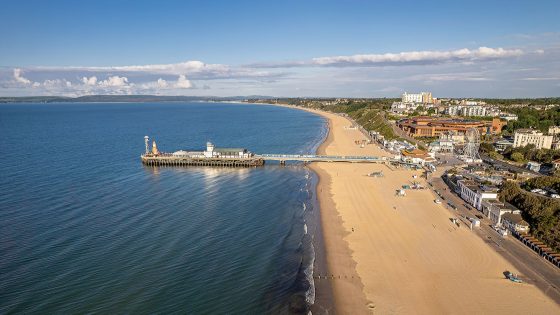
point(437, 201)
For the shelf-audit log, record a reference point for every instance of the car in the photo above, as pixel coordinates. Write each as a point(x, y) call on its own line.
point(437, 201)
point(479, 216)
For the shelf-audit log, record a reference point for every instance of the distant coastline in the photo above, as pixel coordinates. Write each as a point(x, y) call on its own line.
point(126, 99)
point(252, 99)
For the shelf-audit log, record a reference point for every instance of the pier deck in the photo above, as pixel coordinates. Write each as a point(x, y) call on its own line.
point(166, 159)
point(170, 160)
point(322, 158)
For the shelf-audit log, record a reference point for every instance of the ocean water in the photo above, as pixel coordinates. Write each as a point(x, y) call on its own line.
point(86, 228)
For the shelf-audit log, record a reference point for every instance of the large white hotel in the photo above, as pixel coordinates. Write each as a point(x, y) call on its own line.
point(524, 137)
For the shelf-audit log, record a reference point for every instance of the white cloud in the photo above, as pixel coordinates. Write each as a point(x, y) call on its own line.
point(89, 81)
point(114, 81)
point(161, 83)
point(418, 57)
point(194, 69)
point(19, 78)
point(183, 82)
point(448, 71)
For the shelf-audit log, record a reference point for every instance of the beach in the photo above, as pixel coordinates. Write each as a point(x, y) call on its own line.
point(402, 255)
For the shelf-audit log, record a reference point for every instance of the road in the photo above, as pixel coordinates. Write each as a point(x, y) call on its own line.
point(510, 167)
point(532, 268)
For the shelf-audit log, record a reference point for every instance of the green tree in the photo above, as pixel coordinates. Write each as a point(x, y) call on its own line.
point(494, 155)
point(487, 147)
point(517, 157)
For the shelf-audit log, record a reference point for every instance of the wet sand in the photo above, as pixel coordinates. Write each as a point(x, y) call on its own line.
point(402, 255)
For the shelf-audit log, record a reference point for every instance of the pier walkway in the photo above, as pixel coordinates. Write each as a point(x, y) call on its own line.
point(322, 158)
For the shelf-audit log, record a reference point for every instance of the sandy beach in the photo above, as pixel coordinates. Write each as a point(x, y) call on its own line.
point(402, 255)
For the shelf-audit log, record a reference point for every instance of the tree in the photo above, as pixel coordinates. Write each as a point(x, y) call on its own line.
point(517, 157)
point(494, 155)
point(487, 147)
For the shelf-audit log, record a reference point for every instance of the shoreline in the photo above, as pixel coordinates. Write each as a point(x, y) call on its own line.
point(386, 254)
point(348, 296)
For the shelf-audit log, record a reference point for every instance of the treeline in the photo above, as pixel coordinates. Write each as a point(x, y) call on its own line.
point(531, 153)
point(369, 113)
point(523, 101)
point(532, 118)
point(542, 213)
point(542, 182)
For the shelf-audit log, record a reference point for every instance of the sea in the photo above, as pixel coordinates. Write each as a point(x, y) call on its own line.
point(86, 228)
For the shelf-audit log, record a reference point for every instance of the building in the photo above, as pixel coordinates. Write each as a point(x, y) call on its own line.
point(477, 110)
point(533, 166)
point(213, 152)
point(515, 223)
point(495, 209)
point(508, 116)
point(416, 156)
point(556, 164)
point(434, 127)
point(427, 98)
point(472, 109)
point(502, 145)
point(469, 103)
point(553, 130)
point(424, 98)
point(441, 146)
point(486, 206)
point(453, 136)
point(473, 193)
point(524, 137)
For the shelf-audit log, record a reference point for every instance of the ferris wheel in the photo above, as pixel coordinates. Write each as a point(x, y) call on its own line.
point(472, 144)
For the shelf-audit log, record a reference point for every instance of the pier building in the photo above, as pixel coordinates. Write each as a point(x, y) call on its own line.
point(212, 156)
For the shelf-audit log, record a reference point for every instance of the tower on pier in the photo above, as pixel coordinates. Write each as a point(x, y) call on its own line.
point(147, 143)
point(154, 148)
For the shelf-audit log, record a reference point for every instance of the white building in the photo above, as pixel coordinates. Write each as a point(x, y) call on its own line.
point(524, 137)
point(515, 223)
point(441, 146)
point(495, 210)
point(474, 193)
point(453, 136)
point(553, 130)
point(533, 166)
point(469, 103)
point(473, 111)
point(454, 110)
point(508, 116)
point(423, 97)
point(212, 151)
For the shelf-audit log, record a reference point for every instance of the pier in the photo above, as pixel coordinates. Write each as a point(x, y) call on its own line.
point(240, 157)
point(168, 159)
point(282, 158)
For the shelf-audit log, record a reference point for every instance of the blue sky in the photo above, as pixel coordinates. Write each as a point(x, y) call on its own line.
point(272, 48)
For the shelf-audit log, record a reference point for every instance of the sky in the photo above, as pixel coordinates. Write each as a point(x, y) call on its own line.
point(351, 48)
